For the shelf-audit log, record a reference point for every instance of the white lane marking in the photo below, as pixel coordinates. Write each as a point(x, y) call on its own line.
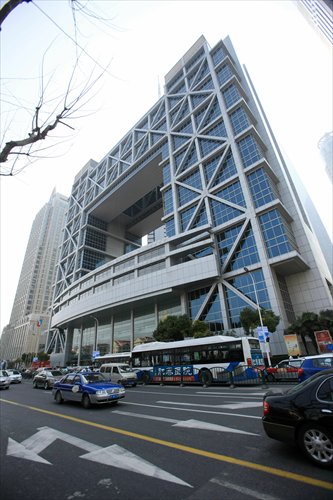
point(113, 455)
point(193, 410)
point(215, 394)
point(241, 489)
point(231, 406)
point(148, 417)
point(116, 456)
point(232, 393)
point(190, 424)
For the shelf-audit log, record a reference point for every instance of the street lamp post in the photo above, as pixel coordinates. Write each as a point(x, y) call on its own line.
point(246, 269)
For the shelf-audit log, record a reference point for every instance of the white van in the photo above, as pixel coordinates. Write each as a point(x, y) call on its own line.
point(119, 373)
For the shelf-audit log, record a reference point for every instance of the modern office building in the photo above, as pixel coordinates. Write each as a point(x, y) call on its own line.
point(319, 14)
point(30, 314)
point(201, 164)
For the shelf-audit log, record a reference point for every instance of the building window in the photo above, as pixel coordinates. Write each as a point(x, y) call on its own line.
point(261, 188)
point(231, 95)
point(217, 55)
point(167, 201)
point(224, 74)
point(245, 252)
point(170, 228)
point(245, 286)
point(239, 120)
point(185, 195)
point(249, 150)
point(277, 234)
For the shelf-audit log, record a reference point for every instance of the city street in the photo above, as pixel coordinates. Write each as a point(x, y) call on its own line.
point(160, 442)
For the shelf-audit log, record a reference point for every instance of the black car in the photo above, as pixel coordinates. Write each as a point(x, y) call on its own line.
point(303, 414)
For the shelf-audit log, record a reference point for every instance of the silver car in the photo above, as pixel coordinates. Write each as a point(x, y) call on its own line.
point(4, 379)
point(46, 378)
point(15, 376)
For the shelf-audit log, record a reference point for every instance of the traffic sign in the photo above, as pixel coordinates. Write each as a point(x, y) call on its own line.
point(263, 333)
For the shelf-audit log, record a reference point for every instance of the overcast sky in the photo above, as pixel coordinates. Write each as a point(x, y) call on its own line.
point(289, 64)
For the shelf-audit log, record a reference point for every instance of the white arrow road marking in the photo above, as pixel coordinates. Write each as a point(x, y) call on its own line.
point(193, 424)
point(196, 424)
point(116, 456)
point(30, 447)
point(15, 449)
point(231, 406)
point(113, 455)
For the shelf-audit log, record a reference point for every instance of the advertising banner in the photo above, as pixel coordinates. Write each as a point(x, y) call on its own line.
point(324, 341)
point(292, 344)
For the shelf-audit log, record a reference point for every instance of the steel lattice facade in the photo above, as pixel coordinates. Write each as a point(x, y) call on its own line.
point(202, 168)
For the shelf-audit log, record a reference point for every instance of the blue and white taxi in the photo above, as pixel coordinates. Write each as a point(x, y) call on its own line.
point(87, 388)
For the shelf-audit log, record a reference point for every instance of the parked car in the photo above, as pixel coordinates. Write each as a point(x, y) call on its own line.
point(46, 378)
point(120, 373)
point(314, 364)
point(287, 369)
point(303, 415)
point(87, 388)
point(4, 379)
point(15, 376)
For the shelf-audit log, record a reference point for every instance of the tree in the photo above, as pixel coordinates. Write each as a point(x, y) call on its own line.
point(43, 356)
point(250, 319)
point(173, 328)
point(270, 319)
point(200, 329)
point(52, 110)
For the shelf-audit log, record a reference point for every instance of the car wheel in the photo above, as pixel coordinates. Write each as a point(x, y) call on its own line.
point(46, 386)
point(86, 401)
point(7, 387)
point(58, 397)
point(317, 444)
point(34, 385)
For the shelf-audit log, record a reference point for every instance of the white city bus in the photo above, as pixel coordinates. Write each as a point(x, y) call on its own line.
point(116, 357)
point(206, 360)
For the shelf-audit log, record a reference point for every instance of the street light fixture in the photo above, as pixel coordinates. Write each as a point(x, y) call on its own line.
point(246, 269)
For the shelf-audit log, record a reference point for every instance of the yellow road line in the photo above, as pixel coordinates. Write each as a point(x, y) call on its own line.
point(195, 451)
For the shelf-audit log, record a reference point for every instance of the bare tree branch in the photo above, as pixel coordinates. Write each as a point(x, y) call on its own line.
point(44, 120)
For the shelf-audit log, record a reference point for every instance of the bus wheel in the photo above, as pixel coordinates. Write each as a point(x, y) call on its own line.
point(205, 377)
point(145, 378)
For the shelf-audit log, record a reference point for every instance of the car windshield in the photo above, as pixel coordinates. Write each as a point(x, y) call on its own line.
point(91, 378)
point(3, 373)
point(56, 373)
point(125, 368)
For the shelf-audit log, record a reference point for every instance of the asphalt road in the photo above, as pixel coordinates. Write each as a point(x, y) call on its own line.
point(159, 443)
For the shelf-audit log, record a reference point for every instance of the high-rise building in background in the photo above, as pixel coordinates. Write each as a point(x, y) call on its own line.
point(325, 146)
point(202, 164)
point(319, 13)
point(30, 314)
